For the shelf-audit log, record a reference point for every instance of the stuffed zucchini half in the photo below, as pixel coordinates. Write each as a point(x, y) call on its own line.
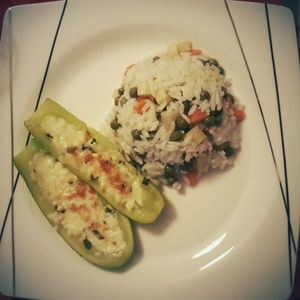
point(95, 160)
point(93, 228)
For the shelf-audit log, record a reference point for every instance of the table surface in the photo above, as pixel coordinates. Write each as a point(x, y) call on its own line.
point(5, 4)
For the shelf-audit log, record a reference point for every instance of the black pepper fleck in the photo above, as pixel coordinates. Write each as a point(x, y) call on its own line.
point(108, 210)
point(49, 135)
point(98, 234)
point(145, 181)
point(94, 178)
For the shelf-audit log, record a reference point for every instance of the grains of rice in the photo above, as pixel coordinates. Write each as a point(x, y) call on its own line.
point(155, 94)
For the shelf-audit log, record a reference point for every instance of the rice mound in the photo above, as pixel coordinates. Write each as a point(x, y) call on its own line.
point(175, 116)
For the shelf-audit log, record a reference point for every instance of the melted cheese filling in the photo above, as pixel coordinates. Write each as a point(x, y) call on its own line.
point(83, 153)
point(78, 209)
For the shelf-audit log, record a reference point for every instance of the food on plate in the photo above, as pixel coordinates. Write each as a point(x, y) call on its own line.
point(176, 116)
point(92, 227)
point(96, 161)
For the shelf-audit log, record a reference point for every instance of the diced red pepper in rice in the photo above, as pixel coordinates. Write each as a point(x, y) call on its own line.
point(239, 114)
point(192, 178)
point(197, 116)
point(139, 106)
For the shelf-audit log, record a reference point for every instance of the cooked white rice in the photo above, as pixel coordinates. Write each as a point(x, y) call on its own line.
point(176, 86)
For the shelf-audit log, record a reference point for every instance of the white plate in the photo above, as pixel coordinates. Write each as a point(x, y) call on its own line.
point(228, 238)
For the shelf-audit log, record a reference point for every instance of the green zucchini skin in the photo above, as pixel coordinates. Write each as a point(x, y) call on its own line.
point(21, 162)
point(151, 198)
